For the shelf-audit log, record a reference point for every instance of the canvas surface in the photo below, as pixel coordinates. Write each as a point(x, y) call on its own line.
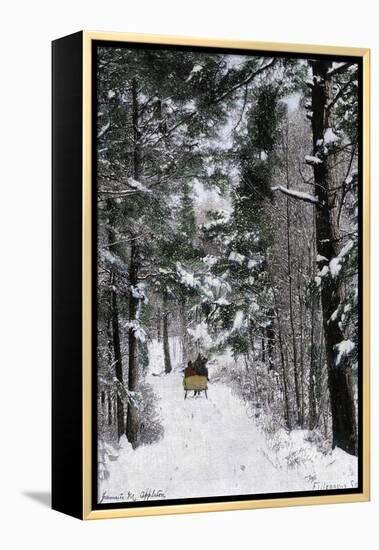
point(228, 235)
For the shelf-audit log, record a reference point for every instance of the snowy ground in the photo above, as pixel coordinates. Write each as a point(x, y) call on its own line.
point(211, 447)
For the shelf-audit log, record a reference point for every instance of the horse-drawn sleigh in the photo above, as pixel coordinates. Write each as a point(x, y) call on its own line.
point(196, 377)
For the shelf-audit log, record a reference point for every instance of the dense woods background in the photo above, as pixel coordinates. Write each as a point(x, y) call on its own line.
point(228, 223)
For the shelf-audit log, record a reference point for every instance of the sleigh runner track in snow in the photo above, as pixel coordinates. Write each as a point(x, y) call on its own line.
point(213, 447)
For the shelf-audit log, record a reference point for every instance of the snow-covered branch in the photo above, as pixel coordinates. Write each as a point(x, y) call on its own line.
point(103, 129)
point(312, 160)
point(306, 197)
point(340, 93)
point(340, 68)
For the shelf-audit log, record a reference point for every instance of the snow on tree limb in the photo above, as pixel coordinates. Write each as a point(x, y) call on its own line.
point(311, 160)
point(346, 249)
point(330, 136)
point(339, 68)
point(296, 194)
point(353, 177)
point(138, 186)
point(344, 348)
point(103, 129)
point(335, 264)
point(196, 69)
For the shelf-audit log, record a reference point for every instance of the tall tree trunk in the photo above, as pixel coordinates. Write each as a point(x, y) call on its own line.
point(341, 395)
point(118, 360)
point(183, 331)
point(312, 409)
point(321, 375)
point(114, 326)
point(287, 415)
point(263, 345)
point(166, 343)
point(291, 312)
point(110, 333)
point(133, 372)
point(251, 338)
point(134, 302)
point(110, 418)
point(302, 324)
point(270, 333)
point(159, 321)
point(314, 373)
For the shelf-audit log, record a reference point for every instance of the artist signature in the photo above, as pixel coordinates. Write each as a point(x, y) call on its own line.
point(129, 496)
point(329, 486)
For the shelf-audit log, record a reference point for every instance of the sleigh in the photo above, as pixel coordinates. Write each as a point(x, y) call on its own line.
point(196, 384)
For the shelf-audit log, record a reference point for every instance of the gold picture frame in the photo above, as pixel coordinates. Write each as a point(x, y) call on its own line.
point(85, 509)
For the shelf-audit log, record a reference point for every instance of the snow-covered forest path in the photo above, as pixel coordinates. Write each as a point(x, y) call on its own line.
point(212, 447)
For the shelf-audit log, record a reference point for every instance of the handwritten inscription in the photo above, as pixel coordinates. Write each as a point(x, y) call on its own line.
point(129, 496)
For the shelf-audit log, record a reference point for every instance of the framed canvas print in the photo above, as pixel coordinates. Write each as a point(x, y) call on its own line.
point(210, 275)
